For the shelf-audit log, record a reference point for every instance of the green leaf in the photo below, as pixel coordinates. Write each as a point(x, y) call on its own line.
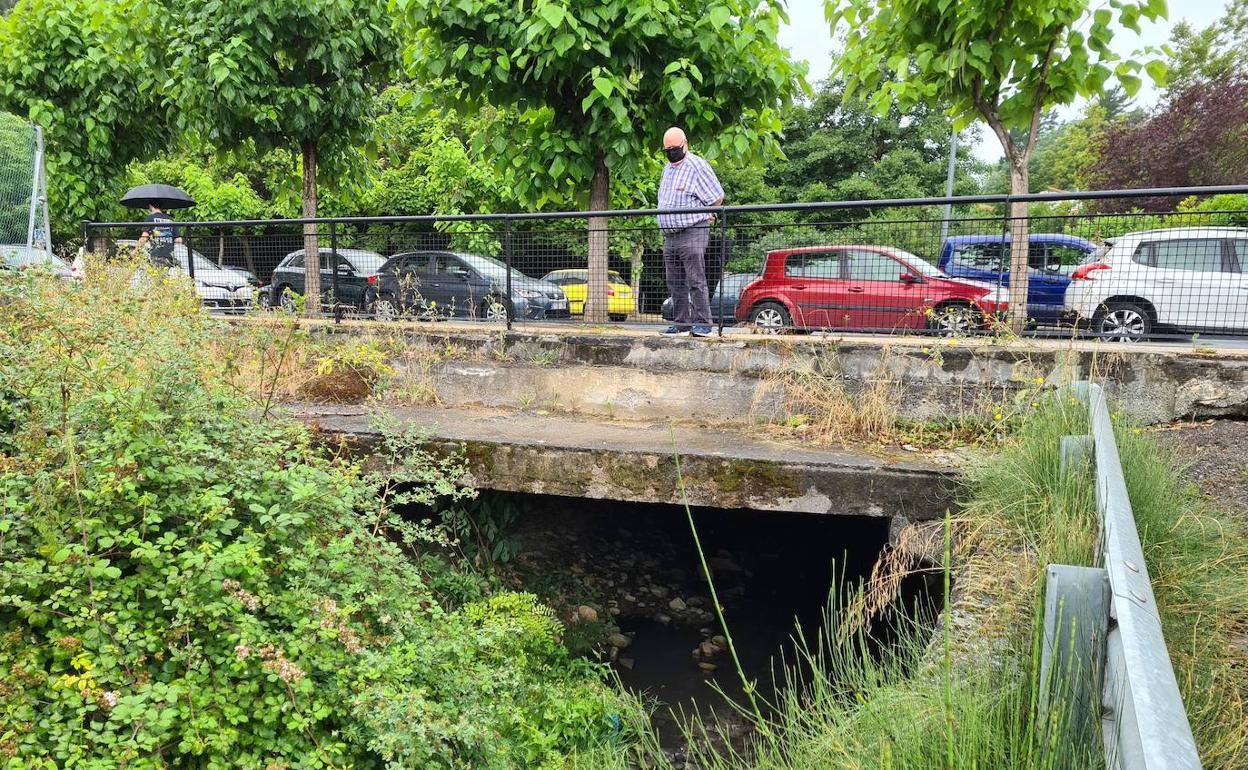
point(552, 14)
point(680, 88)
point(563, 42)
point(1130, 83)
point(719, 16)
point(1158, 71)
point(603, 86)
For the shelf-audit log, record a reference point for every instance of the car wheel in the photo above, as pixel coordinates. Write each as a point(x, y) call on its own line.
point(384, 310)
point(771, 317)
point(617, 317)
point(1122, 322)
point(953, 320)
point(264, 300)
point(492, 310)
point(287, 300)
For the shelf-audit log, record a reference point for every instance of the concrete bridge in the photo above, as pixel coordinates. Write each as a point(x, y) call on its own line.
point(602, 413)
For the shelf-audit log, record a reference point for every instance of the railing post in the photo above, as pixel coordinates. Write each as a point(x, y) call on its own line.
point(723, 266)
point(509, 304)
point(86, 238)
point(333, 262)
point(190, 253)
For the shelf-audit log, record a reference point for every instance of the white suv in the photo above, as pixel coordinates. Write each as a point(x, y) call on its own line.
point(1185, 278)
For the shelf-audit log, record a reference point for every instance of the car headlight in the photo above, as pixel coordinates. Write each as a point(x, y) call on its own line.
point(530, 294)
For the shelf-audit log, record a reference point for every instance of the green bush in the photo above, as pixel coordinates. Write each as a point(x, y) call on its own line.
point(183, 585)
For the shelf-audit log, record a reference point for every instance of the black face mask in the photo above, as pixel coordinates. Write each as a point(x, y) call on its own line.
point(674, 154)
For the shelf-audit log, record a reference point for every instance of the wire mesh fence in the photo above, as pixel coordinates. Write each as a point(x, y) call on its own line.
point(1095, 264)
point(17, 182)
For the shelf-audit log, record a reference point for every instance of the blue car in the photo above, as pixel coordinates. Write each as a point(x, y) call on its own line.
point(1051, 259)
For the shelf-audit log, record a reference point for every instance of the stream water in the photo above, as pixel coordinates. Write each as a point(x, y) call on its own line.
point(637, 563)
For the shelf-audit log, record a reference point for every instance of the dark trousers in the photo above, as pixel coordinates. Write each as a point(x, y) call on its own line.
point(684, 255)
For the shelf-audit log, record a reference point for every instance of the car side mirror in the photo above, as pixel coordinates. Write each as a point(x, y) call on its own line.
point(908, 277)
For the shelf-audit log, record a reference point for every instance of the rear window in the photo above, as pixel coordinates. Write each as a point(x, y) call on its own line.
point(1197, 255)
point(825, 264)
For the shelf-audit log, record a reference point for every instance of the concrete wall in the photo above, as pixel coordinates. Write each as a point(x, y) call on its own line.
point(741, 378)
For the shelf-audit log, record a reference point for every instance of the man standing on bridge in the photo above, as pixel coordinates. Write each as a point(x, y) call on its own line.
point(688, 182)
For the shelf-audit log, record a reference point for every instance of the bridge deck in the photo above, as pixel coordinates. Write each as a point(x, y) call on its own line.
point(585, 456)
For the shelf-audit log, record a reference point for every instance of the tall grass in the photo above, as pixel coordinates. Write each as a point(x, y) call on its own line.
point(969, 695)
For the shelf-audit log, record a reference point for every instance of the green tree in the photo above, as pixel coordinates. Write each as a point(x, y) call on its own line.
point(276, 74)
point(1000, 61)
point(1211, 53)
point(82, 69)
point(596, 83)
point(838, 149)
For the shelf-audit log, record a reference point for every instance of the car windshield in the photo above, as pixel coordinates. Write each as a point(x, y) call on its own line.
point(920, 265)
point(491, 268)
point(581, 276)
point(365, 262)
point(202, 263)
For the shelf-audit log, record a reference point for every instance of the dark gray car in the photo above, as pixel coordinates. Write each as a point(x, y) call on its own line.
point(447, 284)
point(354, 269)
point(733, 284)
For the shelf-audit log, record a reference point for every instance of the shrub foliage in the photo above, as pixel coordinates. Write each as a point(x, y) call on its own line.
point(182, 585)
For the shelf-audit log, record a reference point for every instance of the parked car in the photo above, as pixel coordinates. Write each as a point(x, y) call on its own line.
point(575, 286)
point(219, 288)
point(732, 284)
point(355, 268)
point(1051, 258)
point(1184, 279)
point(19, 256)
point(865, 287)
point(445, 284)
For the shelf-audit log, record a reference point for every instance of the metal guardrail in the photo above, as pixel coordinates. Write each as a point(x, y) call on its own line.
point(1102, 623)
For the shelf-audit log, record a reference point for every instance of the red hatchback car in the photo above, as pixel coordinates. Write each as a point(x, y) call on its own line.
point(865, 287)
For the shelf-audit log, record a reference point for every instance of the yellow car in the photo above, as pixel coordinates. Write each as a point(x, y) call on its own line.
point(575, 285)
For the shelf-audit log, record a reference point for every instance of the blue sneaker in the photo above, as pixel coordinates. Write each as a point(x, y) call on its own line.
point(701, 331)
point(673, 331)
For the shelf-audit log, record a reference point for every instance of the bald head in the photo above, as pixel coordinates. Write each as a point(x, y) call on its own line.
point(675, 145)
point(673, 137)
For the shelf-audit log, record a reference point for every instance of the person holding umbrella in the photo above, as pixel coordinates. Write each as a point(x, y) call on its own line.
point(157, 198)
point(159, 235)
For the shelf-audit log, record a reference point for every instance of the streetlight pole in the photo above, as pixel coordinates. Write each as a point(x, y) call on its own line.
point(953, 163)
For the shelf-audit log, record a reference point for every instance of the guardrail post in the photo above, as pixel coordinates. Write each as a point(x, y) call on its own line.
point(1076, 453)
point(1072, 661)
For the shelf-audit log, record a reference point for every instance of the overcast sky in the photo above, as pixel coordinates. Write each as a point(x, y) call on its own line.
point(808, 37)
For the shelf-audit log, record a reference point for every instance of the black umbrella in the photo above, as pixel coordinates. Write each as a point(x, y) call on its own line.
point(162, 196)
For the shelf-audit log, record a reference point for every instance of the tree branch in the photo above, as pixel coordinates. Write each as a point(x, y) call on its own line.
point(1042, 90)
point(989, 113)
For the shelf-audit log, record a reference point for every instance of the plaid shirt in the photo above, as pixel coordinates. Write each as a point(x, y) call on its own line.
point(690, 184)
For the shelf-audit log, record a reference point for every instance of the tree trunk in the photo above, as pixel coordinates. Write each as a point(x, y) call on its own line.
point(599, 200)
point(311, 247)
point(635, 268)
point(1019, 242)
point(245, 240)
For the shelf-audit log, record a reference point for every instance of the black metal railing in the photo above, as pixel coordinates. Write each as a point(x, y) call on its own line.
point(1099, 263)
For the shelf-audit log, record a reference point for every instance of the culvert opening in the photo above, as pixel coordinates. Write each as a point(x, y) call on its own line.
point(635, 567)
